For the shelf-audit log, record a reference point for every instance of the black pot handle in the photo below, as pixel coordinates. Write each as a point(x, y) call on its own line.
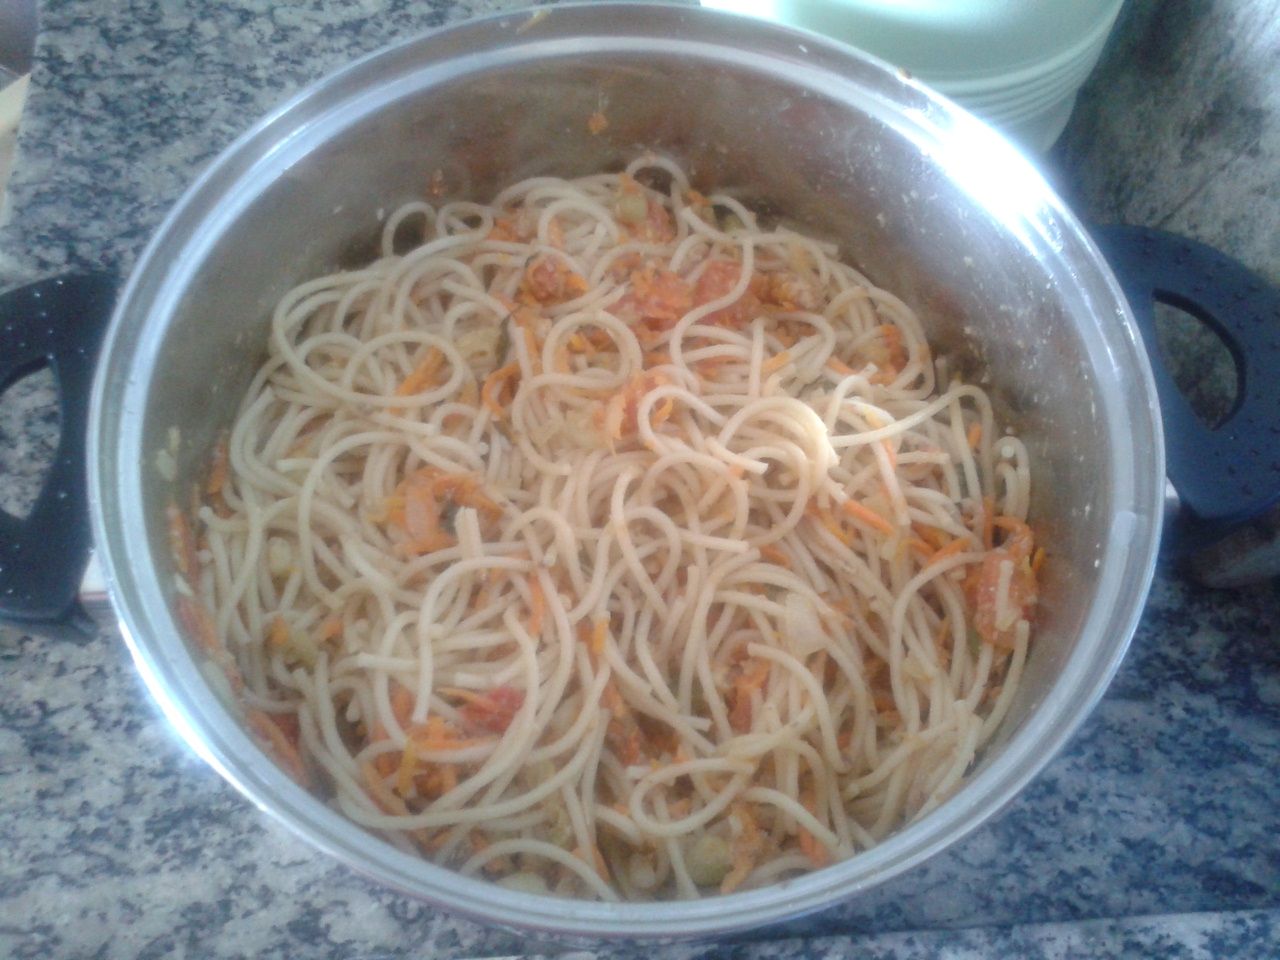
point(1226, 475)
point(60, 323)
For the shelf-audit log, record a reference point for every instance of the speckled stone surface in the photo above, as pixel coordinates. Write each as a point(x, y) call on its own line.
point(1194, 151)
point(1155, 833)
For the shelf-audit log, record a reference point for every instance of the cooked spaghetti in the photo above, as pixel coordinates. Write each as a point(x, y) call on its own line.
point(607, 543)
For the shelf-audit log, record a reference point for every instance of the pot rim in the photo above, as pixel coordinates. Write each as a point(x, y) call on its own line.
point(117, 459)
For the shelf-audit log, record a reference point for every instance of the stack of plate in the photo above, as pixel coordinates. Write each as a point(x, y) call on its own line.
point(1016, 63)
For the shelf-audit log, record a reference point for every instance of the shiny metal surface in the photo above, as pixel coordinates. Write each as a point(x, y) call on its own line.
point(94, 598)
point(926, 200)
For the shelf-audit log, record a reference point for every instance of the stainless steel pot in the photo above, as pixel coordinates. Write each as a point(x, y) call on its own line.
point(925, 199)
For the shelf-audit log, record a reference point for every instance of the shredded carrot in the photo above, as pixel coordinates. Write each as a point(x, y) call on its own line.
point(421, 510)
point(784, 289)
point(983, 585)
point(182, 544)
point(408, 764)
point(785, 336)
point(436, 186)
point(868, 516)
point(550, 280)
point(746, 848)
point(620, 414)
point(709, 368)
point(827, 520)
point(601, 867)
point(448, 776)
point(598, 338)
point(390, 802)
point(439, 735)
point(380, 793)
point(839, 604)
point(461, 488)
point(659, 298)
point(436, 745)
point(1037, 561)
point(384, 763)
point(599, 633)
point(597, 123)
point(198, 623)
point(417, 509)
point(537, 606)
point(282, 742)
point(430, 842)
point(433, 782)
point(897, 349)
point(555, 233)
point(532, 348)
point(776, 362)
point(423, 375)
point(331, 628)
point(818, 854)
point(402, 703)
point(662, 412)
point(505, 230)
point(891, 356)
point(975, 435)
point(775, 554)
point(428, 743)
point(612, 700)
point(561, 362)
point(944, 628)
point(919, 546)
point(1018, 536)
point(840, 533)
point(745, 684)
point(421, 546)
point(218, 467)
point(489, 393)
point(940, 641)
point(656, 225)
point(958, 545)
point(460, 693)
point(420, 517)
point(845, 736)
point(278, 633)
point(624, 735)
point(491, 711)
point(840, 367)
point(595, 860)
point(931, 535)
point(391, 511)
point(480, 599)
point(717, 279)
point(988, 522)
point(824, 667)
point(469, 395)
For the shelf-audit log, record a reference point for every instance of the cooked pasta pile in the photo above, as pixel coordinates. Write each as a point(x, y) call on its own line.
point(609, 544)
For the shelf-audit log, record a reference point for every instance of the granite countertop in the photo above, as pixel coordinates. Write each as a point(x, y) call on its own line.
point(1155, 832)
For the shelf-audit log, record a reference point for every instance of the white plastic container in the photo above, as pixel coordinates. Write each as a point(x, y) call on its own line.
point(1016, 63)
